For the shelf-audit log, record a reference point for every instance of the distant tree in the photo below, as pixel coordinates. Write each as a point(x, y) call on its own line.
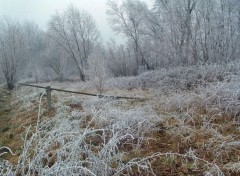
point(120, 61)
point(12, 50)
point(36, 46)
point(127, 17)
point(98, 72)
point(188, 32)
point(55, 59)
point(173, 23)
point(76, 33)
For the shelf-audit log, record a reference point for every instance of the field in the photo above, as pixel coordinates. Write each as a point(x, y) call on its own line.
point(188, 123)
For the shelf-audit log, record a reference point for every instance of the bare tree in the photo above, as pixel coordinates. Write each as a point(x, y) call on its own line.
point(56, 59)
point(187, 32)
point(127, 17)
point(120, 60)
point(12, 50)
point(217, 36)
point(174, 26)
point(35, 45)
point(98, 72)
point(76, 33)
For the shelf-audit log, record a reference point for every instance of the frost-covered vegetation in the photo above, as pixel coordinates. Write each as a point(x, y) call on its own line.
point(179, 57)
point(178, 129)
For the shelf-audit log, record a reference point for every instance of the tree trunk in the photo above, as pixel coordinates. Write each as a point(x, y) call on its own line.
point(10, 85)
point(81, 74)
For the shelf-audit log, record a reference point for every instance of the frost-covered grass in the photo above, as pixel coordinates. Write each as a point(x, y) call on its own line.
point(189, 125)
point(84, 137)
point(179, 78)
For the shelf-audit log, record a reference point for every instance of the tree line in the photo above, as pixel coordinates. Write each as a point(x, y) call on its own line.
point(170, 33)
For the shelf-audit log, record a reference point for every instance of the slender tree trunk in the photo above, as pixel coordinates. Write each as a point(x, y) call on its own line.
point(81, 74)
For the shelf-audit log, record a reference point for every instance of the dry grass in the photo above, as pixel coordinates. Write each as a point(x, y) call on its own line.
point(177, 132)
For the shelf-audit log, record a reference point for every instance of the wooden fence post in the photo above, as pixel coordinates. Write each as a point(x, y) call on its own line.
point(48, 90)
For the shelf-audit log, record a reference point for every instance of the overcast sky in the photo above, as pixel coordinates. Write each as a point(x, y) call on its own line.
point(41, 10)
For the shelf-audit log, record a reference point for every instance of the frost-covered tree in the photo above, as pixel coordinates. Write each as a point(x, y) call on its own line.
point(98, 71)
point(56, 59)
point(35, 45)
point(75, 32)
point(127, 17)
point(171, 26)
point(12, 50)
point(119, 59)
point(188, 32)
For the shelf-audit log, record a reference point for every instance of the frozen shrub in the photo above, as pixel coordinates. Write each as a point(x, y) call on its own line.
point(178, 78)
point(137, 122)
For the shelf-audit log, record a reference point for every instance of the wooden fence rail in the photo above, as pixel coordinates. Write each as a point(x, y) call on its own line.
point(50, 89)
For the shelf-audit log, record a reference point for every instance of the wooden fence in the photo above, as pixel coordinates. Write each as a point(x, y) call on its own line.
point(49, 89)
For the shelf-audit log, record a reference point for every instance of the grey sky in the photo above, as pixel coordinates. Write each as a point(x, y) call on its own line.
point(41, 10)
